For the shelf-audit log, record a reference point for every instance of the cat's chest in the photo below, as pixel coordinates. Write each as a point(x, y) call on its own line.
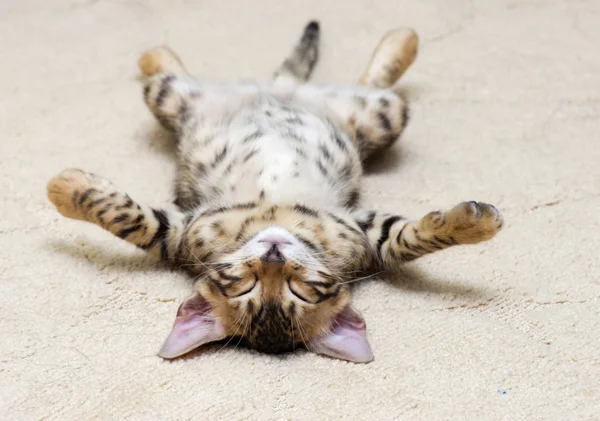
point(281, 151)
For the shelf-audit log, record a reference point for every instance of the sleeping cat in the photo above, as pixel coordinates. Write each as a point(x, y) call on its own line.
point(267, 189)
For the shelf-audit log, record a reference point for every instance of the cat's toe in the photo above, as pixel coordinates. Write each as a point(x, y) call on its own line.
point(69, 189)
point(473, 222)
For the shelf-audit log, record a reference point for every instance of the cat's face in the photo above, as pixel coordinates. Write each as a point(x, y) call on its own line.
point(274, 292)
point(275, 288)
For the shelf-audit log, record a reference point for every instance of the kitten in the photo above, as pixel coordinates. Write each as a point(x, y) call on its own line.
point(267, 188)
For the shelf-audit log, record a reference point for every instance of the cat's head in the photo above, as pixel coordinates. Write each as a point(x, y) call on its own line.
point(274, 289)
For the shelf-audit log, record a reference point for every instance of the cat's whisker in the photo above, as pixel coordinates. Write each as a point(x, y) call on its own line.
point(363, 278)
point(238, 325)
point(246, 323)
point(302, 334)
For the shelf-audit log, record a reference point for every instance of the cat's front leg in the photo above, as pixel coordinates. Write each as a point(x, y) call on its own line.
point(395, 239)
point(88, 197)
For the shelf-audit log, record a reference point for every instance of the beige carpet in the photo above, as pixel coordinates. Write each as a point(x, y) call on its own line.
point(506, 100)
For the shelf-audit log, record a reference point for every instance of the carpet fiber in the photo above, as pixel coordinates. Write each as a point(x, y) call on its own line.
point(505, 109)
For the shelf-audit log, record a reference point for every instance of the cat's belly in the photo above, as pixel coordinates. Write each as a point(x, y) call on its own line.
point(282, 153)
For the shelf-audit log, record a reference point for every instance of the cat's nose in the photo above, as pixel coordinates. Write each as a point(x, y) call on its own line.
point(273, 255)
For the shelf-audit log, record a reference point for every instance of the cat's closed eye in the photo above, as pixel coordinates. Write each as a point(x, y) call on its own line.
point(246, 289)
point(297, 291)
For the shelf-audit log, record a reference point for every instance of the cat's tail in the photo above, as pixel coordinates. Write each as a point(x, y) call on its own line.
point(298, 66)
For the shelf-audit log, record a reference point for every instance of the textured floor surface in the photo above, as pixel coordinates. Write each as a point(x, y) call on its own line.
point(506, 103)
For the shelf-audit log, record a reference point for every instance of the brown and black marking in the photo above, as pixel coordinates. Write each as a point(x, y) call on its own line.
point(228, 192)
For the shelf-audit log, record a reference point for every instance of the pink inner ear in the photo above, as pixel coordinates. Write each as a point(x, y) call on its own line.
point(346, 340)
point(194, 326)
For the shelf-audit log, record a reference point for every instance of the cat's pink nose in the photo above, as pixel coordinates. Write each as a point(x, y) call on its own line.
point(273, 255)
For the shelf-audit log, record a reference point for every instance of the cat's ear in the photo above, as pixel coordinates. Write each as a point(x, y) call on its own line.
point(346, 339)
point(194, 325)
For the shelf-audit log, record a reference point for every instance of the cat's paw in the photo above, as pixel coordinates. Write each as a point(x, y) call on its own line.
point(160, 60)
point(466, 223)
point(473, 222)
point(71, 188)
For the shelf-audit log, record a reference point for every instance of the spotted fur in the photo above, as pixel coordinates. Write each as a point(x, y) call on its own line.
point(268, 186)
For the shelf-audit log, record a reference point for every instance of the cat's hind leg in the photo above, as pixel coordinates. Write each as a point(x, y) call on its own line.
point(88, 197)
point(298, 66)
point(392, 57)
point(169, 91)
point(378, 122)
point(373, 113)
point(160, 60)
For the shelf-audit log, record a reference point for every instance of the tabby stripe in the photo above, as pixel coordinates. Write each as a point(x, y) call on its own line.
point(161, 231)
point(211, 212)
point(227, 277)
point(102, 211)
point(218, 285)
point(325, 153)
point(433, 244)
point(96, 202)
point(146, 92)
point(306, 211)
point(164, 88)
point(353, 198)
point(407, 257)
point(188, 218)
point(343, 223)
point(300, 152)
point(250, 155)
point(326, 275)
point(252, 137)
point(246, 205)
point(219, 157)
point(164, 251)
point(127, 204)
point(338, 137)
point(239, 206)
point(428, 242)
point(318, 284)
point(322, 168)
point(384, 121)
point(243, 227)
point(399, 236)
point(323, 297)
point(125, 232)
point(221, 266)
point(139, 219)
point(74, 198)
point(405, 116)
point(385, 231)
point(120, 218)
point(413, 247)
point(368, 223)
point(308, 243)
point(295, 136)
point(85, 195)
point(449, 242)
point(184, 113)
